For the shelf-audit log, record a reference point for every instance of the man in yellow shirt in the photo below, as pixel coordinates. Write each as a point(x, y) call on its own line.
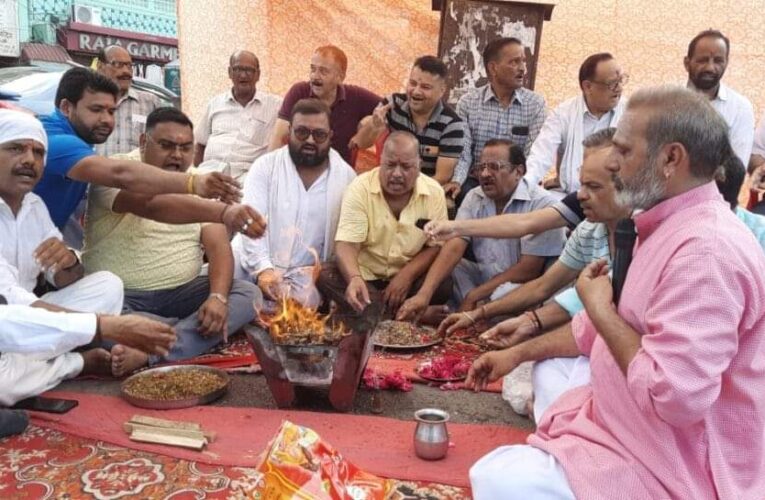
point(381, 252)
point(160, 262)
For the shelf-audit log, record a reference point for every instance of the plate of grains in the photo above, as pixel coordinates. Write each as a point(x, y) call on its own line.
point(170, 387)
point(392, 334)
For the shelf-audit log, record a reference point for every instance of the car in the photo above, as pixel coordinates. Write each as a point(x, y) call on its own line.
point(34, 88)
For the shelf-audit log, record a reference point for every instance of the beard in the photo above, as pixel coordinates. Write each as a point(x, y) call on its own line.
point(302, 158)
point(644, 190)
point(709, 81)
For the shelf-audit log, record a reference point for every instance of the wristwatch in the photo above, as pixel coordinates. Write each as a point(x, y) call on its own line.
point(220, 297)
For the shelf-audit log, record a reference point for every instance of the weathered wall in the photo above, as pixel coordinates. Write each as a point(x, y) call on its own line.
point(382, 37)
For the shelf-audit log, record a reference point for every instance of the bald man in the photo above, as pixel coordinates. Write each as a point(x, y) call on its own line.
point(133, 106)
point(235, 129)
point(382, 255)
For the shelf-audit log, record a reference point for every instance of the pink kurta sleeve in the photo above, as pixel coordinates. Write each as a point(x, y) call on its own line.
point(690, 340)
point(584, 332)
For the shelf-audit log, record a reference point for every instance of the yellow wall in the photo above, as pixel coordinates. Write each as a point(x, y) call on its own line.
point(382, 37)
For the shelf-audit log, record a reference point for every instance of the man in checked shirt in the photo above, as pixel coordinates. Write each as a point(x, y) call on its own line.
point(502, 108)
point(133, 106)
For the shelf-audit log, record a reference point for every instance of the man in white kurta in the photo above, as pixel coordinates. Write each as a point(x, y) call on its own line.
point(598, 107)
point(30, 246)
point(299, 189)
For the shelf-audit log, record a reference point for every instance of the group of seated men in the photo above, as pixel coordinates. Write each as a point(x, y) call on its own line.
point(637, 397)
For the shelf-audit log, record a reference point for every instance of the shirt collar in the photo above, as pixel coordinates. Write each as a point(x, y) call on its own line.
point(27, 201)
point(589, 113)
point(489, 94)
point(650, 220)
point(65, 124)
point(722, 92)
point(131, 94)
point(521, 193)
point(231, 97)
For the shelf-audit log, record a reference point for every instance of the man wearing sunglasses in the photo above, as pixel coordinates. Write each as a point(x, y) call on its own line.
point(133, 106)
point(156, 246)
point(598, 107)
point(237, 124)
point(500, 264)
point(299, 188)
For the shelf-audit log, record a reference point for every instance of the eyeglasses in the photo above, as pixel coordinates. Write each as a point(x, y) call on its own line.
point(613, 85)
point(119, 64)
point(495, 166)
point(247, 70)
point(320, 135)
point(170, 146)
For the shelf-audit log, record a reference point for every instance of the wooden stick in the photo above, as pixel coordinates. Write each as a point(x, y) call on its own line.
point(160, 422)
point(157, 438)
point(131, 427)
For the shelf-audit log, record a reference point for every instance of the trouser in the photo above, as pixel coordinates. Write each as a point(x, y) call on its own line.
point(100, 292)
point(298, 281)
point(552, 377)
point(519, 471)
point(332, 285)
point(26, 375)
point(179, 306)
point(467, 275)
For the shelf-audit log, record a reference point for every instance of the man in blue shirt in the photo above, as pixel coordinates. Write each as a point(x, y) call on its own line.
point(84, 116)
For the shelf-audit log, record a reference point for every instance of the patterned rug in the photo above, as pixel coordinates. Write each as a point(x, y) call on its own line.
point(44, 463)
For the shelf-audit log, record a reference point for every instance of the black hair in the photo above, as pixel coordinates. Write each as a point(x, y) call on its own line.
point(708, 33)
point(493, 48)
point(310, 106)
point(730, 178)
point(165, 115)
point(516, 156)
point(432, 65)
point(590, 66)
point(76, 81)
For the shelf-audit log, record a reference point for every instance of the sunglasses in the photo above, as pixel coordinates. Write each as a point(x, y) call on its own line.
point(320, 135)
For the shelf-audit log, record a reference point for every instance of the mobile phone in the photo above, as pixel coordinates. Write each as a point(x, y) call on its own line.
point(519, 130)
point(421, 223)
point(47, 405)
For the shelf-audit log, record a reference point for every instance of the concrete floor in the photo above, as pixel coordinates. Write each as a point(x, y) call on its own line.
point(250, 390)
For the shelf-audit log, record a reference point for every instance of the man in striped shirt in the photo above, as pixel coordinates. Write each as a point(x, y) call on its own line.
point(421, 111)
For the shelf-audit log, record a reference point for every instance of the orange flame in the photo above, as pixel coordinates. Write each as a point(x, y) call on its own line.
point(295, 324)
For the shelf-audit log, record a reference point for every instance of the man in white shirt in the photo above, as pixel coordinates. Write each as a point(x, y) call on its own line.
point(299, 189)
point(36, 346)
point(705, 63)
point(598, 107)
point(237, 124)
point(30, 245)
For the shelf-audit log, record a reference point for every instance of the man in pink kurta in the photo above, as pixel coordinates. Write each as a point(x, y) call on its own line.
point(676, 403)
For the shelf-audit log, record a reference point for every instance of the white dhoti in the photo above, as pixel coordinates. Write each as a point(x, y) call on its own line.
point(101, 292)
point(519, 471)
point(552, 377)
point(26, 375)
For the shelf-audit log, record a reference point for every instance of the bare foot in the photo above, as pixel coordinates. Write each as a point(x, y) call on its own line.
point(96, 362)
point(126, 360)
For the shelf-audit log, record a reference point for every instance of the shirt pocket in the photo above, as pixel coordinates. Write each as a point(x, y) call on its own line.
point(258, 131)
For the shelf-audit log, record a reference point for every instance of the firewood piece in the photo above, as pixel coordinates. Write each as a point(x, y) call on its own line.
point(130, 427)
point(157, 437)
point(160, 422)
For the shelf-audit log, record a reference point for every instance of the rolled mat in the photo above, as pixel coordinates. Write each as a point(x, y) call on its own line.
point(379, 445)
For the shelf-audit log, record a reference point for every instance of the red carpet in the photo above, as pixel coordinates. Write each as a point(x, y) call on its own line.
point(44, 463)
point(378, 445)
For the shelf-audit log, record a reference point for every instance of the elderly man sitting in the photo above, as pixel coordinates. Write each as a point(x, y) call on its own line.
point(299, 188)
point(381, 251)
point(160, 263)
point(678, 362)
point(500, 264)
point(31, 247)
